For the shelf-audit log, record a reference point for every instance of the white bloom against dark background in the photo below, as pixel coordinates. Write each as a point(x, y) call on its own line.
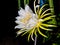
point(28, 22)
point(26, 19)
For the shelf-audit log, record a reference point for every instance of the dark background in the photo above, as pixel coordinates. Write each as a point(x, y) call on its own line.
point(8, 35)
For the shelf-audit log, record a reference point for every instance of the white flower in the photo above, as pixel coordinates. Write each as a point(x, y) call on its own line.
point(31, 23)
point(26, 19)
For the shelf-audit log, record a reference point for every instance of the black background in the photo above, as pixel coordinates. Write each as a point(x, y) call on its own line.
point(8, 33)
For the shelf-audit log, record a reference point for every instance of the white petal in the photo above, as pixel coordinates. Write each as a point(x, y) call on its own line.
point(19, 26)
point(19, 17)
point(31, 24)
point(27, 9)
point(32, 21)
point(21, 12)
point(32, 37)
point(34, 16)
point(18, 22)
point(19, 33)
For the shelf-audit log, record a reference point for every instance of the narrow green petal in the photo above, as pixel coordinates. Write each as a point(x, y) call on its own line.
point(32, 37)
point(45, 11)
point(19, 32)
point(45, 28)
point(29, 34)
point(42, 8)
point(25, 32)
point(32, 34)
point(41, 33)
point(35, 33)
point(35, 7)
point(48, 18)
point(47, 25)
point(45, 15)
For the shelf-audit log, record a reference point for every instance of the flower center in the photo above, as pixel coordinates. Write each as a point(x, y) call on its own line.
point(26, 18)
point(38, 22)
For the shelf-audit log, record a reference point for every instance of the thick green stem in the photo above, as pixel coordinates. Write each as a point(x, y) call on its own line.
point(52, 11)
point(25, 2)
point(51, 6)
point(19, 4)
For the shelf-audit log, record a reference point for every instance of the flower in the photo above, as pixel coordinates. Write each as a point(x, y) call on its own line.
point(26, 19)
point(28, 22)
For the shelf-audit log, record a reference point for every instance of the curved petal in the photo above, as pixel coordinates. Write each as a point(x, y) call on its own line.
point(31, 23)
point(48, 18)
point(45, 11)
point(32, 37)
point(42, 8)
point(19, 32)
point(22, 12)
point(26, 32)
point(45, 28)
point(27, 9)
point(45, 15)
point(48, 25)
point(19, 17)
point(20, 26)
point(18, 22)
point(41, 33)
point(35, 33)
point(29, 35)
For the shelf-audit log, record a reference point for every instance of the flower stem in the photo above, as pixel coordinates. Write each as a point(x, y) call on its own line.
point(27, 1)
point(19, 4)
point(24, 2)
point(35, 40)
point(51, 6)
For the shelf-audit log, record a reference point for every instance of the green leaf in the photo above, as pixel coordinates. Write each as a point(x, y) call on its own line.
point(53, 21)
